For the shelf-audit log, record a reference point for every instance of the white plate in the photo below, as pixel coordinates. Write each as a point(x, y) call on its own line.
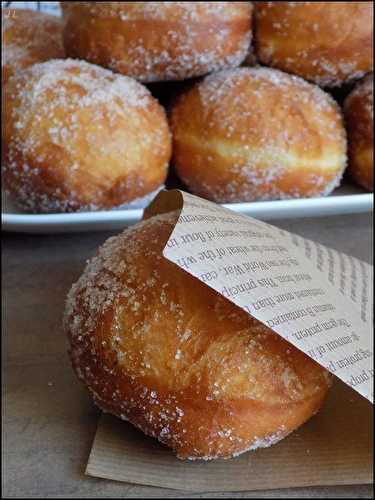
point(345, 200)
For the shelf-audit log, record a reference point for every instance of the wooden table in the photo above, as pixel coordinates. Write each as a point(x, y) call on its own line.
point(48, 419)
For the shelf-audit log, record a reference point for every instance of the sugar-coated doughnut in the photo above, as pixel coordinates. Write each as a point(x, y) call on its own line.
point(325, 42)
point(160, 349)
point(359, 115)
point(28, 37)
point(78, 137)
point(156, 41)
point(257, 134)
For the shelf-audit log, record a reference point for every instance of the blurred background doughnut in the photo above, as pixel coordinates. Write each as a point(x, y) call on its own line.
point(158, 348)
point(156, 41)
point(78, 137)
point(29, 37)
point(257, 134)
point(325, 42)
point(359, 115)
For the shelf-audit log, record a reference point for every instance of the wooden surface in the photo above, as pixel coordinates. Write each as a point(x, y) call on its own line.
point(48, 419)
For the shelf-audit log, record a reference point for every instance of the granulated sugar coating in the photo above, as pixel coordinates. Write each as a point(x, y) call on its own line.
point(158, 348)
point(365, 90)
point(28, 37)
point(78, 137)
point(359, 115)
point(326, 42)
point(156, 41)
point(258, 134)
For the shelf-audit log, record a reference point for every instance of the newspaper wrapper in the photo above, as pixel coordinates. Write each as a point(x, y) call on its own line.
point(318, 299)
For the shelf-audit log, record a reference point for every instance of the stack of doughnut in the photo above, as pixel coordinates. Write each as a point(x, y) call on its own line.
point(95, 138)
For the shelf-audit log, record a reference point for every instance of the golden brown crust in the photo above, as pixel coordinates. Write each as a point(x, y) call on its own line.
point(29, 37)
point(257, 134)
point(158, 348)
point(325, 42)
point(359, 115)
point(78, 137)
point(155, 41)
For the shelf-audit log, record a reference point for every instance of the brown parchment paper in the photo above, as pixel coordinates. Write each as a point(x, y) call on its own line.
point(333, 294)
point(333, 448)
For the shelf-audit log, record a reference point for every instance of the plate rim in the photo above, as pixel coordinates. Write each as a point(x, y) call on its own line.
point(308, 207)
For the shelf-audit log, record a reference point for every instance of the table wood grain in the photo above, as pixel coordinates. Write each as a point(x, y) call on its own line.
point(48, 419)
